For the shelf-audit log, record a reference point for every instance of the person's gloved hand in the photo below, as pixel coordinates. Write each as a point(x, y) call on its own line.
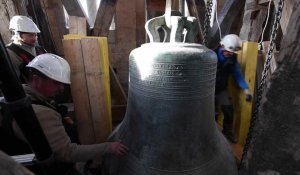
point(118, 149)
point(248, 95)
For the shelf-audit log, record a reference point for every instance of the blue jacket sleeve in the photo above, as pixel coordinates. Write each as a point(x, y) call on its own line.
point(238, 76)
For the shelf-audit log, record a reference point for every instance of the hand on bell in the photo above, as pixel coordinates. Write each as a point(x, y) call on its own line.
point(118, 149)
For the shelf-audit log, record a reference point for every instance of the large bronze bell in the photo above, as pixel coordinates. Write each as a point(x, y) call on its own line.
point(169, 125)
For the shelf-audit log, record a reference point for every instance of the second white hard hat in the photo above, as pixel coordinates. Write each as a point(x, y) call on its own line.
point(52, 66)
point(23, 24)
point(231, 43)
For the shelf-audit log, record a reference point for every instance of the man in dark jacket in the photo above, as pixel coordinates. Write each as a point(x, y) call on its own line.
point(228, 65)
point(23, 47)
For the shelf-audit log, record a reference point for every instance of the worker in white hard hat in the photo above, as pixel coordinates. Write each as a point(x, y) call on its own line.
point(23, 47)
point(48, 74)
point(228, 65)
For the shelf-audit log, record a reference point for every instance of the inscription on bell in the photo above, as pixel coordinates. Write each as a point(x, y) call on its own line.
point(166, 72)
point(167, 66)
point(169, 79)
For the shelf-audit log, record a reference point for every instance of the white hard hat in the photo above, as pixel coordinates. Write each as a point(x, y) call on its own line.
point(23, 24)
point(52, 66)
point(231, 43)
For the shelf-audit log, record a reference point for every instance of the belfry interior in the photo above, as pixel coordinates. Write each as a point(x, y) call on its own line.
point(146, 73)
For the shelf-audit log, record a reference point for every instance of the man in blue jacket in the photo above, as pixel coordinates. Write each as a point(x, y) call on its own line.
point(228, 65)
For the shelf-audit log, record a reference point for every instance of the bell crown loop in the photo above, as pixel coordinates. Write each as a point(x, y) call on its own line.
point(175, 27)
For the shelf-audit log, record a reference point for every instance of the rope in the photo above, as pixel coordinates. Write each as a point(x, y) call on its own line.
point(220, 32)
point(266, 23)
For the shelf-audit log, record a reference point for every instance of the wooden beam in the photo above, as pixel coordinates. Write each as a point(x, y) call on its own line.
point(56, 19)
point(97, 77)
point(73, 54)
point(263, 2)
point(226, 17)
point(77, 25)
point(45, 38)
point(140, 22)
point(197, 9)
point(253, 20)
point(175, 5)
point(88, 58)
point(117, 91)
point(73, 8)
point(104, 17)
point(286, 13)
point(118, 98)
point(21, 7)
point(248, 60)
point(126, 40)
point(155, 8)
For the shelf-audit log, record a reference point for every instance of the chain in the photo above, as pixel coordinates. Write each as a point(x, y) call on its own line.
point(207, 20)
point(251, 134)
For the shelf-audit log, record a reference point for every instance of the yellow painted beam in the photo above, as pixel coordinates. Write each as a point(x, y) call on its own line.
point(73, 36)
point(248, 61)
point(104, 64)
